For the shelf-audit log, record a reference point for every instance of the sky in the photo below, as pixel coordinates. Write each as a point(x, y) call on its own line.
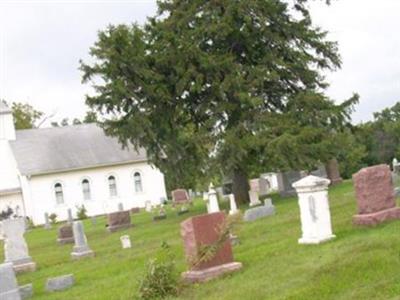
point(41, 43)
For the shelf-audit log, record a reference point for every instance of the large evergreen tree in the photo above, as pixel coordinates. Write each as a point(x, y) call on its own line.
point(229, 86)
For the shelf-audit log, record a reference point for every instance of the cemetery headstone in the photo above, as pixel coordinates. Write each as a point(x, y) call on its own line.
point(25, 291)
point(8, 283)
point(118, 220)
point(161, 214)
point(135, 210)
point(60, 283)
point(15, 247)
point(81, 248)
point(332, 171)
point(180, 196)
point(120, 207)
point(396, 166)
point(205, 230)
point(264, 186)
point(258, 212)
point(213, 205)
point(126, 242)
point(254, 200)
point(375, 196)
point(65, 234)
point(148, 206)
point(285, 181)
point(233, 207)
point(315, 216)
point(47, 224)
point(254, 184)
point(70, 218)
point(320, 172)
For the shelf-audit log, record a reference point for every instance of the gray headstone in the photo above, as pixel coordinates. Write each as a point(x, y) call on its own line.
point(70, 218)
point(264, 186)
point(285, 181)
point(81, 248)
point(258, 212)
point(8, 283)
point(60, 283)
point(120, 207)
point(26, 291)
point(47, 224)
point(320, 172)
point(15, 247)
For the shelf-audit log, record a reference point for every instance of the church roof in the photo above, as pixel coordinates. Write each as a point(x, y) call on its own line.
point(60, 149)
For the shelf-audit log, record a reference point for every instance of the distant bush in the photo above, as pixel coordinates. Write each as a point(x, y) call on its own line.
point(81, 212)
point(5, 214)
point(161, 278)
point(53, 218)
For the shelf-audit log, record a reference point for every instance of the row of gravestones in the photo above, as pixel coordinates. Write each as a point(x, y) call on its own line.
point(375, 198)
point(376, 203)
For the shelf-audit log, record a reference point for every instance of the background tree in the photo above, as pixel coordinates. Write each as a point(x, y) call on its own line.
point(25, 116)
point(211, 87)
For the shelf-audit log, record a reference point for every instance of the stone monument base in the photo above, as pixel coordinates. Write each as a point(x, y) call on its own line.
point(80, 255)
point(255, 213)
point(64, 241)
point(211, 273)
point(118, 227)
point(314, 241)
point(377, 217)
point(24, 265)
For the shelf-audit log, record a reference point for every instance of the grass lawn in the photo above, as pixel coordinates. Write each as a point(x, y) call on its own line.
point(361, 263)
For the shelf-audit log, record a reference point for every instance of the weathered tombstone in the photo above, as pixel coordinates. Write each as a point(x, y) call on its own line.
point(120, 207)
point(396, 166)
point(126, 242)
point(60, 283)
point(254, 184)
point(81, 248)
point(135, 210)
point(118, 220)
point(285, 181)
point(8, 283)
point(205, 230)
point(314, 210)
point(180, 196)
point(332, 171)
point(320, 172)
point(47, 224)
point(213, 205)
point(70, 218)
point(258, 212)
point(65, 234)
point(375, 196)
point(233, 205)
point(15, 247)
point(264, 186)
point(25, 291)
point(254, 200)
point(148, 206)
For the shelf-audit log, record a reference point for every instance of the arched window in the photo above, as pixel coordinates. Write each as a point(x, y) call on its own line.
point(137, 178)
point(86, 189)
point(112, 186)
point(58, 190)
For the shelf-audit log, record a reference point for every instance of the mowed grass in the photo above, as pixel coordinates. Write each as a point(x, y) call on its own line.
point(361, 263)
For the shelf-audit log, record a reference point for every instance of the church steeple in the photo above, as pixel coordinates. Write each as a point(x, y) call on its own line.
point(7, 129)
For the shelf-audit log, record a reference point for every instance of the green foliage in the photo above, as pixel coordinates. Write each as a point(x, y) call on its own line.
point(25, 116)
point(161, 278)
point(53, 218)
point(81, 212)
point(219, 87)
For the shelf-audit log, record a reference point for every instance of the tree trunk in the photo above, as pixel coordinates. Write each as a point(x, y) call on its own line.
point(240, 187)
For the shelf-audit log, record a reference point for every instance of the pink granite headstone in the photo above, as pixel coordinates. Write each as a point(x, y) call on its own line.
point(200, 231)
point(375, 196)
point(180, 196)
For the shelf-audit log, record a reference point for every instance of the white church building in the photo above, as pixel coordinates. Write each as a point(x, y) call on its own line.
point(52, 169)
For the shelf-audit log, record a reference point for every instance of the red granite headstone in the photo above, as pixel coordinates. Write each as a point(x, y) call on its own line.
point(180, 196)
point(201, 231)
point(332, 170)
point(118, 220)
point(375, 196)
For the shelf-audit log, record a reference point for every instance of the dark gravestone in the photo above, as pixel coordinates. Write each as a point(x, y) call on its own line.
point(285, 181)
point(320, 172)
point(180, 196)
point(201, 231)
point(332, 171)
point(375, 196)
point(65, 234)
point(118, 221)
